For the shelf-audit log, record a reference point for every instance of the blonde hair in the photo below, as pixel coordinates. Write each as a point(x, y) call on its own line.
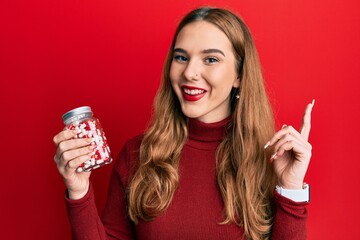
point(245, 177)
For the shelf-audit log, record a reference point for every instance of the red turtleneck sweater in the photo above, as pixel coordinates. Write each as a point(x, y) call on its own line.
point(196, 209)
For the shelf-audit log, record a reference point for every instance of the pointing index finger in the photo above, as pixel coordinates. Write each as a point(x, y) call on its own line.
point(306, 124)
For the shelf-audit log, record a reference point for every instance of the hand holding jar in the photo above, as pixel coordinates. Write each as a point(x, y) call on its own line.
point(81, 147)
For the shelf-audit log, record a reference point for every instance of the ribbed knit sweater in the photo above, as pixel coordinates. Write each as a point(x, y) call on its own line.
point(196, 208)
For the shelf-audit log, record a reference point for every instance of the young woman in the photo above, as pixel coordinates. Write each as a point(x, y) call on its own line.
point(208, 165)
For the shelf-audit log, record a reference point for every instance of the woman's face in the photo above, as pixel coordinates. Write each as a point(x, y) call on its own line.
point(203, 72)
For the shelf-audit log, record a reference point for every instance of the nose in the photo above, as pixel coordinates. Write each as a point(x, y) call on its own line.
point(192, 71)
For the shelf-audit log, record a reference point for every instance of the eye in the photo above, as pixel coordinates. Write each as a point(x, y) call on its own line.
point(180, 58)
point(211, 60)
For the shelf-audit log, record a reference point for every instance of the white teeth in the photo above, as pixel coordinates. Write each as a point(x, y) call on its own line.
point(193, 91)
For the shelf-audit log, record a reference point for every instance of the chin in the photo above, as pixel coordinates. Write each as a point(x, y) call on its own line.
point(191, 114)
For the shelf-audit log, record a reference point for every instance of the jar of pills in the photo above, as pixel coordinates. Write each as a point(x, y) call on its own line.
point(87, 126)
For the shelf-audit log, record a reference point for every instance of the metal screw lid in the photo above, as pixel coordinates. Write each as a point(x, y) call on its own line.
point(77, 114)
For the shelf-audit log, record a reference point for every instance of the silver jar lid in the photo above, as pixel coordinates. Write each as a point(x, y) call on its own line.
point(77, 114)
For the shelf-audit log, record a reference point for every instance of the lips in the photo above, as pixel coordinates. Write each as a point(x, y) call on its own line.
point(193, 94)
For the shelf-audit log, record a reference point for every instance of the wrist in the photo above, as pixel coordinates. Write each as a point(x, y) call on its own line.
point(299, 185)
point(76, 195)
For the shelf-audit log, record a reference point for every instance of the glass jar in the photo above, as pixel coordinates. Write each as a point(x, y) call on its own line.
point(87, 126)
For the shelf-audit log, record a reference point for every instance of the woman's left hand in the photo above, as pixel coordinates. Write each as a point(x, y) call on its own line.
point(292, 152)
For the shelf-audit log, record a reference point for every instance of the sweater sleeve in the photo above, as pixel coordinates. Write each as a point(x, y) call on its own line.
point(290, 219)
point(84, 220)
point(114, 222)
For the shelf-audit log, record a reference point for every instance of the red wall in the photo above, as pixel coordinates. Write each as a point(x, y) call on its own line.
point(57, 55)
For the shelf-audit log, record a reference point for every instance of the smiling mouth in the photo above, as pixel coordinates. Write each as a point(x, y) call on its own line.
point(193, 94)
point(193, 91)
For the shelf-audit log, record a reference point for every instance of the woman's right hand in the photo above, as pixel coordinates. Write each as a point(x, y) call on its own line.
point(70, 154)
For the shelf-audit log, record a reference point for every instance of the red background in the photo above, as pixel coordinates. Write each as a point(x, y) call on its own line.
point(57, 55)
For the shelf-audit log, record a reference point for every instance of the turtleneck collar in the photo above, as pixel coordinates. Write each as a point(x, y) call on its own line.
point(206, 136)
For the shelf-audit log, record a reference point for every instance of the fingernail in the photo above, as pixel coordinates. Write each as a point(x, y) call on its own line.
point(267, 144)
point(273, 157)
point(284, 126)
point(91, 147)
point(313, 102)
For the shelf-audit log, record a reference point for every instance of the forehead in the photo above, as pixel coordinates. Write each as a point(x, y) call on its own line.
point(202, 35)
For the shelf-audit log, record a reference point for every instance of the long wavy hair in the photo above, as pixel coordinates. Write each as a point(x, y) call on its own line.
point(245, 177)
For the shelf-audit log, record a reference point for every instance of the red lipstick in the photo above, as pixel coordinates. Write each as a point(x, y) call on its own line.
point(192, 94)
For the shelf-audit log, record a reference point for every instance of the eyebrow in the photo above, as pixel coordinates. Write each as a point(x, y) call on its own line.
point(211, 50)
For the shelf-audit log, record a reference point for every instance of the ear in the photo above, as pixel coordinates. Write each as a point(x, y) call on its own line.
point(236, 83)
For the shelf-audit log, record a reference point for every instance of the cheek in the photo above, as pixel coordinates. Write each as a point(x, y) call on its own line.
point(173, 73)
point(222, 81)
point(222, 77)
point(173, 80)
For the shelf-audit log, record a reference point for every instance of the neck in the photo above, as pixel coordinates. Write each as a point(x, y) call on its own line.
point(206, 135)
